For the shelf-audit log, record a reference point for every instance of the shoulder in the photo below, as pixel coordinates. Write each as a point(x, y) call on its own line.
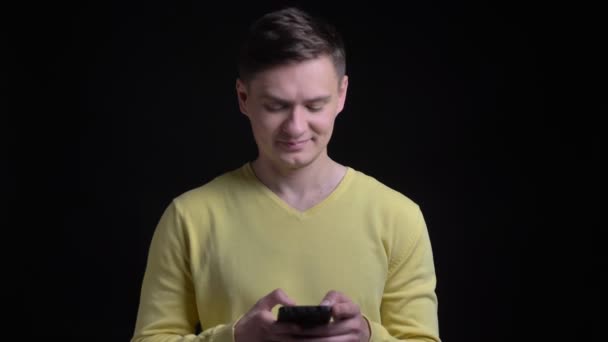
point(398, 218)
point(191, 212)
point(217, 187)
point(212, 194)
point(379, 195)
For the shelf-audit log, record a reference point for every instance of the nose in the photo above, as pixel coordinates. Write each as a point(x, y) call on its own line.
point(295, 123)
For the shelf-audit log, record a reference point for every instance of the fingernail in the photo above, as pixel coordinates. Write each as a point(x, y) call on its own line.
point(325, 302)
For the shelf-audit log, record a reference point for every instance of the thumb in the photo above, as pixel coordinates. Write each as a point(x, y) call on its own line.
point(274, 298)
point(334, 297)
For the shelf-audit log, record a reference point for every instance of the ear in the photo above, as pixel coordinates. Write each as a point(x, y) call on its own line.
point(241, 93)
point(343, 87)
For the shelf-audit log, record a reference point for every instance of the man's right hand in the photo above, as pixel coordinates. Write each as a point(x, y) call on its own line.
point(259, 324)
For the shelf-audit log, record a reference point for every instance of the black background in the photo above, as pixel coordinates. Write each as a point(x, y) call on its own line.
point(121, 106)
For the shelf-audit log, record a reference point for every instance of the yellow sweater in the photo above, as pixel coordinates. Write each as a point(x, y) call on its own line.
point(220, 247)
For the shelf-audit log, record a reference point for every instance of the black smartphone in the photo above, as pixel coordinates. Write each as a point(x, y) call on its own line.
point(305, 315)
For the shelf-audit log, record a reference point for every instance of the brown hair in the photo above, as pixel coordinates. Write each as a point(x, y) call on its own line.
point(289, 35)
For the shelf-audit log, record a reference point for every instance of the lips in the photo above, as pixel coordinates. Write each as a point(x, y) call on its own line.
point(293, 145)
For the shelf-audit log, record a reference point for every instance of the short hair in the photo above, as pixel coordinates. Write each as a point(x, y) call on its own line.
point(289, 35)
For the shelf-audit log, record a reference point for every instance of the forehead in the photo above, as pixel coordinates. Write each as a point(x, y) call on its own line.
point(311, 78)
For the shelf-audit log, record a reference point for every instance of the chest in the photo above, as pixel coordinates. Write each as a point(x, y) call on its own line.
point(306, 260)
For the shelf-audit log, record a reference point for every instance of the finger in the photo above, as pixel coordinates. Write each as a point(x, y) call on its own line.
point(260, 318)
point(333, 297)
point(282, 329)
point(336, 328)
point(343, 311)
point(265, 316)
point(274, 298)
point(334, 338)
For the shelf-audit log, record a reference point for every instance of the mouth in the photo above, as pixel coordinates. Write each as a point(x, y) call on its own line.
point(293, 144)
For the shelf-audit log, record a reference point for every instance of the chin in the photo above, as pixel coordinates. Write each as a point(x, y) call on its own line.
point(290, 160)
point(293, 160)
point(296, 163)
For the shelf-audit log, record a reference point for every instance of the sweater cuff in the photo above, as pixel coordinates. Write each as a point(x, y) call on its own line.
point(371, 327)
point(225, 333)
point(377, 333)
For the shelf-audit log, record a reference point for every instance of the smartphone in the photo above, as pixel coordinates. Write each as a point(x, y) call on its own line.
point(305, 315)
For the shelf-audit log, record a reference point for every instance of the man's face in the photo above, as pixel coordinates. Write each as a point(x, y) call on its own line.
point(292, 109)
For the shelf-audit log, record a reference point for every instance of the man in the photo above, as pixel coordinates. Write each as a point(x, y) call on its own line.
point(293, 226)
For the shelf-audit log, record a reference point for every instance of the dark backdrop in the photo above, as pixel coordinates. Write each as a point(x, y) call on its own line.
point(121, 106)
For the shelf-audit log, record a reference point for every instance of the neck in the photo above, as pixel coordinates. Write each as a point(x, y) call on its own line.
point(320, 176)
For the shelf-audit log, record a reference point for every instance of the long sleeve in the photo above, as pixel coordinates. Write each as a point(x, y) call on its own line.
point(409, 302)
point(167, 310)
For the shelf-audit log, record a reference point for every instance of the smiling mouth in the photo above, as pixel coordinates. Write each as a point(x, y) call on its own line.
point(294, 144)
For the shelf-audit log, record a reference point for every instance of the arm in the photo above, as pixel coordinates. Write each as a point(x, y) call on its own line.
point(408, 310)
point(167, 309)
point(409, 302)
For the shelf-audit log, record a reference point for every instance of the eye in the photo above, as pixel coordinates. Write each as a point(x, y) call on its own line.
point(274, 107)
point(315, 107)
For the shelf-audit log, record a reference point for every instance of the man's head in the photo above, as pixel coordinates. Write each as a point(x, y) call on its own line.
point(287, 36)
point(292, 87)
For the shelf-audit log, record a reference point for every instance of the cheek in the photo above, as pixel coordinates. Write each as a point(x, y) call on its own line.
point(323, 125)
point(264, 129)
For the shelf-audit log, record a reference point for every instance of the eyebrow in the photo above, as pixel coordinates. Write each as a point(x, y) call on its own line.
point(314, 99)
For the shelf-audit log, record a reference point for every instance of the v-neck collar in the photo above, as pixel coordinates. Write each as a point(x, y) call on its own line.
point(338, 190)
